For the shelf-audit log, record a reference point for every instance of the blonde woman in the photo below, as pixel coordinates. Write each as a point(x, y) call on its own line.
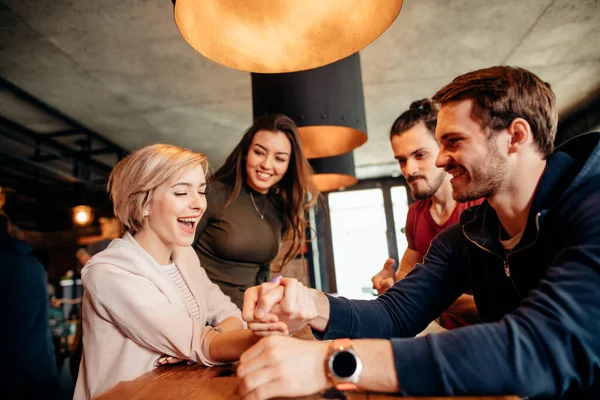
point(147, 299)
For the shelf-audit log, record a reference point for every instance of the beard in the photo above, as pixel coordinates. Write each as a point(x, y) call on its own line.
point(485, 180)
point(430, 190)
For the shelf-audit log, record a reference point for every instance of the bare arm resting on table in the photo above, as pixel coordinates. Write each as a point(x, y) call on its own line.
point(270, 368)
point(234, 340)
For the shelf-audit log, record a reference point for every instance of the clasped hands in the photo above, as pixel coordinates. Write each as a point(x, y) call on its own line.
point(284, 306)
point(280, 365)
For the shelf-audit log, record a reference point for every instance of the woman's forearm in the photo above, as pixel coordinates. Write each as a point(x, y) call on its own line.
point(229, 345)
point(230, 324)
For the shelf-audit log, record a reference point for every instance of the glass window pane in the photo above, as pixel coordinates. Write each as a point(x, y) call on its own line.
point(400, 207)
point(358, 231)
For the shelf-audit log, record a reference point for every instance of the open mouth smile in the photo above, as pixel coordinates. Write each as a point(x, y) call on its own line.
point(188, 224)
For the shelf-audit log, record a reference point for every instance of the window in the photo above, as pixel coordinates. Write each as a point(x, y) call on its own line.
point(358, 229)
point(400, 209)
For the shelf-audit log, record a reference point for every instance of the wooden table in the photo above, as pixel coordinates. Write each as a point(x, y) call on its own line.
point(196, 382)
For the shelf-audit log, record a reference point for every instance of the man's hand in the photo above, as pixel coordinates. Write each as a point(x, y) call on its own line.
point(385, 278)
point(286, 300)
point(279, 366)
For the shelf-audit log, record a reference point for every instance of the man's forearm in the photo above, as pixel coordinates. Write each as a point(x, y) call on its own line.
point(401, 272)
point(322, 303)
point(465, 307)
point(379, 370)
point(407, 263)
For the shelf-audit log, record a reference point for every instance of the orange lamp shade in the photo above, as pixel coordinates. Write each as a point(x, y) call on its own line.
point(334, 173)
point(271, 36)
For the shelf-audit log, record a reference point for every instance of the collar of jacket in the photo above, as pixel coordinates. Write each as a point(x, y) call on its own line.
point(569, 166)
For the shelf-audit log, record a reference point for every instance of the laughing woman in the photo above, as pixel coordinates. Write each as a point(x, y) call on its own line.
point(146, 296)
point(258, 197)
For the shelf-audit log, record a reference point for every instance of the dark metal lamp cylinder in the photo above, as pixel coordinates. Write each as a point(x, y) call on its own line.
point(327, 104)
point(334, 173)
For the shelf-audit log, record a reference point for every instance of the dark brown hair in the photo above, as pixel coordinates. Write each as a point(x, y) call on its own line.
point(295, 193)
point(420, 111)
point(503, 93)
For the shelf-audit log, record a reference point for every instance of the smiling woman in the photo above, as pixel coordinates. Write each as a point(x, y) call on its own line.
point(257, 198)
point(147, 301)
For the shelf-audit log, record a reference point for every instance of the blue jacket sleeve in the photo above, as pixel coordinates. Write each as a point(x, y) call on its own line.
point(410, 305)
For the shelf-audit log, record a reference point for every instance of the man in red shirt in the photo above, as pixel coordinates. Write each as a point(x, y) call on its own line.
point(413, 140)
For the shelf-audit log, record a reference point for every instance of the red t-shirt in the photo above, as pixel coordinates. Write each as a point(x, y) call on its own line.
point(421, 228)
point(420, 231)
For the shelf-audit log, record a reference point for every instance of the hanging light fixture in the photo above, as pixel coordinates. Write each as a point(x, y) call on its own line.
point(326, 103)
point(272, 36)
point(334, 173)
point(82, 215)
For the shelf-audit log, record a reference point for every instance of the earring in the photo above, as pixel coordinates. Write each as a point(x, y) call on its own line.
point(146, 213)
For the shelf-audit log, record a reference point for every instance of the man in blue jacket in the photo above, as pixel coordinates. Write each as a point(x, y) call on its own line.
point(530, 253)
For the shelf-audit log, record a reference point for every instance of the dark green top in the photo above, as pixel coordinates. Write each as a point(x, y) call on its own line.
point(236, 246)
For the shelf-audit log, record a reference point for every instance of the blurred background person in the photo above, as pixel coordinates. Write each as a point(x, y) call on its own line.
point(29, 369)
point(256, 199)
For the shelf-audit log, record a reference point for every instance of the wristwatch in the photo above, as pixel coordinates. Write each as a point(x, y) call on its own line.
point(344, 365)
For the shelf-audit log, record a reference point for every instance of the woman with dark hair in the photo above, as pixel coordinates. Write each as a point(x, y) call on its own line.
point(256, 199)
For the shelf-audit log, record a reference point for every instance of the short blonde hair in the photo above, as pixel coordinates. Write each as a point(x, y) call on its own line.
point(133, 180)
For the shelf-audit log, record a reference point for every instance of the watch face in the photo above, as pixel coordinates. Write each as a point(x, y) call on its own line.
point(344, 364)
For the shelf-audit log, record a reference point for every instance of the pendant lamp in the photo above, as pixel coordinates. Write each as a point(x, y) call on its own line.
point(334, 173)
point(326, 103)
point(271, 36)
point(83, 215)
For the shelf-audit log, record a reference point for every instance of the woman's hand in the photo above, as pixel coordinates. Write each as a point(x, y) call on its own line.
point(167, 360)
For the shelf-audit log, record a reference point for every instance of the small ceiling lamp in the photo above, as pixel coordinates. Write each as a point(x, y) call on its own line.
point(326, 103)
point(272, 36)
point(334, 173)
point(82, 215)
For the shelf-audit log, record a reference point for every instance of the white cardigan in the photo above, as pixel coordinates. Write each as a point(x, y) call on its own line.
point(133, 314)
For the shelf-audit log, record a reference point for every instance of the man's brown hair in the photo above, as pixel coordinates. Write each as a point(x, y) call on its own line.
point(420, 111)
point(502, 93)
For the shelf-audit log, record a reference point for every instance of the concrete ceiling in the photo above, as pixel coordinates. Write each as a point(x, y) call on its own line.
point(121, 67)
